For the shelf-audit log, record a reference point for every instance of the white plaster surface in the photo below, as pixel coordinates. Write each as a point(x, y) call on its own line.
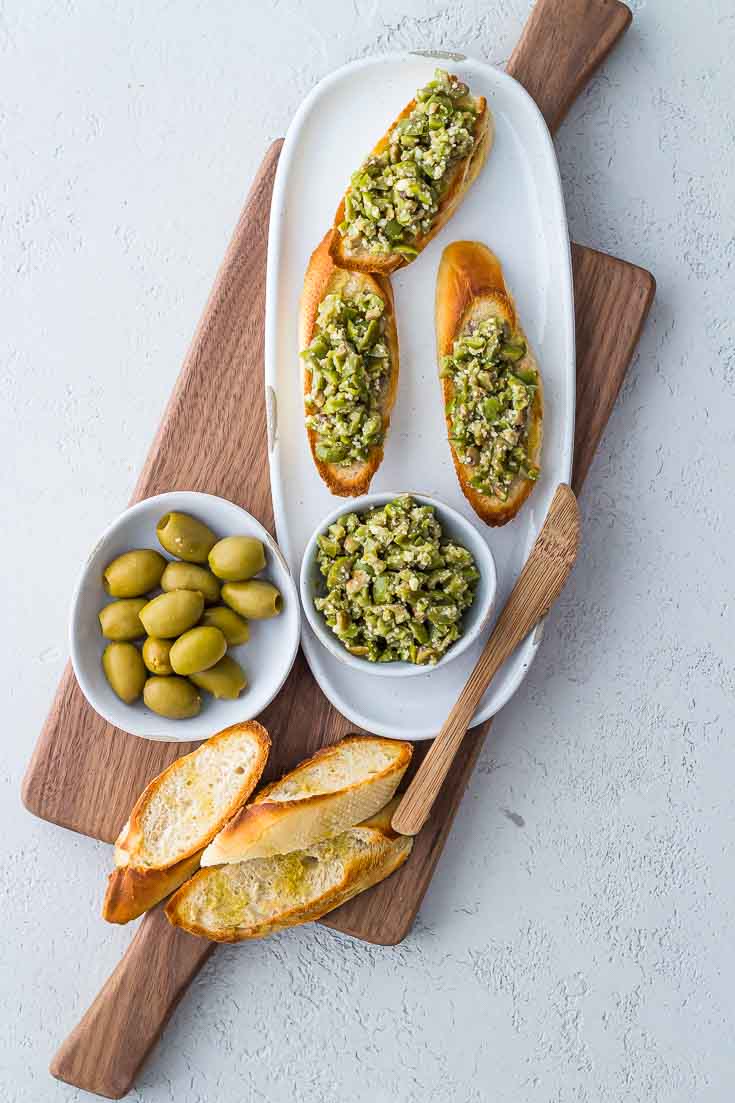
point(576, 944)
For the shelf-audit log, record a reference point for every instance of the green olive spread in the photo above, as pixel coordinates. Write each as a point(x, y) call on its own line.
point(349, 361)
point(490, 406)
point(394, 196)
point(396, 586)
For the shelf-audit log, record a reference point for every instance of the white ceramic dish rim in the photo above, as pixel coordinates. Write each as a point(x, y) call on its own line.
point(270, 359)
point(139, 507)
point(470, 535)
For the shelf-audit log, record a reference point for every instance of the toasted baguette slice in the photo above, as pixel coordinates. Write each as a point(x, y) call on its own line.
point(252, 899)
point(464, 173)
point(469, 289)
point(337, 788)
point(324, 278)
point(177, 814)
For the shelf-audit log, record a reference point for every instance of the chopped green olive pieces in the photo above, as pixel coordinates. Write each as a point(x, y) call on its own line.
point(395, 586)
point(349, 361)
point(490, 407)
point(394, 196)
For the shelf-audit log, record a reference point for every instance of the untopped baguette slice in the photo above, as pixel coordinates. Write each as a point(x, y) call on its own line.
point(470, 288)
point(338, 787)
point(323, 278)
point(460, 178)
point(253, 899)
point(178, 813)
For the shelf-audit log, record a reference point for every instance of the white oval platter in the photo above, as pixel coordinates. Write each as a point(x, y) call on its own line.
point(516, 207)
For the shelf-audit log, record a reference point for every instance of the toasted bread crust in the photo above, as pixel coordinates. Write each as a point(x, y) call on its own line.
point(470, 286)
point(134, 886)
point(388, 851)
point(322, 278)
point(462, 176)
point(401, 761)
point(130, 892)
point(252, 823)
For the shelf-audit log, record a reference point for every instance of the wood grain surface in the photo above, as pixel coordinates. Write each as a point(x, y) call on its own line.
point(85, 774)
point(562, 44)
point(163, 960)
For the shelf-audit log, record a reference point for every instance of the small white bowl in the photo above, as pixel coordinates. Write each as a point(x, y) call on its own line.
point(455, 526)
point(267, 658)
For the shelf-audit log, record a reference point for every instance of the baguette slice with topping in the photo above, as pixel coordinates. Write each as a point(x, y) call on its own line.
point(470, 290)
point(460, 174)
point(337, 788)
point(178, 813)
point(352, 477)
point(253, 899)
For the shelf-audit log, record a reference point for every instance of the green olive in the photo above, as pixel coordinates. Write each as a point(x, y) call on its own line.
point(169, 615)
point(190, 576)
point(120, 620)
point(185, 537)
point(124, 670)
point(156, 655)
point(255, 598)
point(225, 679)
point(233, 627)
point(175, 698)
point(197, 649)
point(237, 557)
point(133, 573)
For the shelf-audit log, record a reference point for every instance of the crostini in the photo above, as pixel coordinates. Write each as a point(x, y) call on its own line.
point(178, 814)
point(414, 179)
point(234, 903)
point(493, 395)
point(323, 796)
point(349, 352)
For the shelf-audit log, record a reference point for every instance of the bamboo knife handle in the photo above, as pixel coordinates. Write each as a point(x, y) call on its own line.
point(538, 585)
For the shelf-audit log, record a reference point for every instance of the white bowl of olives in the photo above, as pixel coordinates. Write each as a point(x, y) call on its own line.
point(185, 618)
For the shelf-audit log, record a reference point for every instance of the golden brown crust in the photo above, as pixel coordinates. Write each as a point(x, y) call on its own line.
point(248, 826)
point(322, 278)
point(463, 175)
point(130, 892)
point(470, 287)
point(130, 837)
point(389, 853)
point(133, 887)
point(401, 761)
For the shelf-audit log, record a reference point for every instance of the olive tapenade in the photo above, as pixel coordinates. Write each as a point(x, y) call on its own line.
point(349, 361)
point(396, 586)
point(394, 197)
point(490, 406)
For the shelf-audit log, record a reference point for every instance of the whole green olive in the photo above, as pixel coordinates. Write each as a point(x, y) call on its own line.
point(225, 679)
point(190, 576)
point(185, 537)
point(169, 615)
point(255, 598)
point(124, 670)
point(156, 655)
point(120, 620)
point(233, 627)
point(197, 649)
point(174, 698)
point(133, 573)
point(237, 557)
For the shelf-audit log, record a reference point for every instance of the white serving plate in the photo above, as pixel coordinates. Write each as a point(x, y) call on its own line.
point(516, 207)
point(266, 658)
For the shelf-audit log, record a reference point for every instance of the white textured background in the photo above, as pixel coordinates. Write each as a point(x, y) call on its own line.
point(576, 945)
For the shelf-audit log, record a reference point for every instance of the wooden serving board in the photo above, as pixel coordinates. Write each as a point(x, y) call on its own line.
point(85, 774)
